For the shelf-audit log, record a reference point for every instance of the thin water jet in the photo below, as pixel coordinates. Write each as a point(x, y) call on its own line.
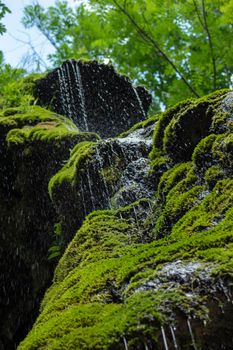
point(173, 337)
point(125, 343)
point(164, 338)
point(191, 334)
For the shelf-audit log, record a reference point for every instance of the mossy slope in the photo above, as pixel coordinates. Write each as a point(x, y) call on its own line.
point(34, 143)
point(123, 278)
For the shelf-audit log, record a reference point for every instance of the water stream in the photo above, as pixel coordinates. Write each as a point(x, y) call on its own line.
point(139, 102)
point(164, 339)
point(174, 337)
point(77, 74)
point(125, 343)
point(191, 334)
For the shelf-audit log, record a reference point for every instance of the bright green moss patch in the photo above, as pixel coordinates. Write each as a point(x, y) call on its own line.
point(208, 213)
point(180, 128)
point(212, 175)
point(68, 174)
point(96, 298)
point(171, 177)
point(34, 116)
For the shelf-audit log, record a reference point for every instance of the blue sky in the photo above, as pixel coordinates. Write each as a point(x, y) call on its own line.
point(14, 42)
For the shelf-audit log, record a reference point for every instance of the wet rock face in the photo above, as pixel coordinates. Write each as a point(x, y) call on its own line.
point(94, 96)
point(113, 173)
point(27, 215)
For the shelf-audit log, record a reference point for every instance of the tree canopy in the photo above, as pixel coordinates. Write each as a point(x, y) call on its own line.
point(177, 48)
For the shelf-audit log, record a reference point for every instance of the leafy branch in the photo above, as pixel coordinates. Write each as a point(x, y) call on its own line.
point(205, 26)
point(149, 39)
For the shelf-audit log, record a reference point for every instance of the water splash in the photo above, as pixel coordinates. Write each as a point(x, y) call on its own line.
point(191, 334)
point(164, 338)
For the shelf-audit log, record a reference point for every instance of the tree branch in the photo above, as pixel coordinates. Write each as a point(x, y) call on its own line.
point(204, 25)
point(149, 39)
point(210, 45)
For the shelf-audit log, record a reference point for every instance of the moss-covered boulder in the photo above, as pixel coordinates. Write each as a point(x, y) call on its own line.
point(156, 273)
point(34, 143)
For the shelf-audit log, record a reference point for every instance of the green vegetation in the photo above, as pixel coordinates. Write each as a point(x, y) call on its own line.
point(118, 276)
point(69, 173)
point(111, 283)
point(178, 50)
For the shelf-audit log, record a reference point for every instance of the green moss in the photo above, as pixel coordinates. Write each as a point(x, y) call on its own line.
point(163, 120)
point(141, 125)
point(208, 213)
point(109, 284)
point(92, 303)
point(181, 128)
point(202, 153)
point(212, 175)
point(171, 177)
point(112, 173)
point(221, 122)
point(69, 173)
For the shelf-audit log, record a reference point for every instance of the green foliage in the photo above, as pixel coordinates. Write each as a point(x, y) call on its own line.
point(16, 89)
point(3, 10)
point(55, 249)
point(177, 49)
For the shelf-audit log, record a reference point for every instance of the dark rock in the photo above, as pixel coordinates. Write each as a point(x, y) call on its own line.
point(94, 96)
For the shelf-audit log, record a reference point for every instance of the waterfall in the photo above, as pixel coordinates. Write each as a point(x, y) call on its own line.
point(164, 338)
point(191, 334)
point(90, 188)
point(174, 337)
point(99, 159)
point(139, 102)
point(65, 92)
point(125, 343)
point(69, 105)
point(78, 79)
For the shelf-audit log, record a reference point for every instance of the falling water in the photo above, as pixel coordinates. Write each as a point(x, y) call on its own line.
point(125, 343)
point(78, 79)
point(135, 215)
point(139, 102)
point(191, 334)
point(62, 90)
point(71, 93)
point(65, 95)
point(112, 172)
point(164, 339)
point(82, 195)
point(90, 188)
point(146, 346)
point(99, 159)
point(174, 337)
point(225, 290)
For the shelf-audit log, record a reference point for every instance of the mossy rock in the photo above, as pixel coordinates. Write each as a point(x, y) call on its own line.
point(181, 128)
point(109, 290)
point(34, 144)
